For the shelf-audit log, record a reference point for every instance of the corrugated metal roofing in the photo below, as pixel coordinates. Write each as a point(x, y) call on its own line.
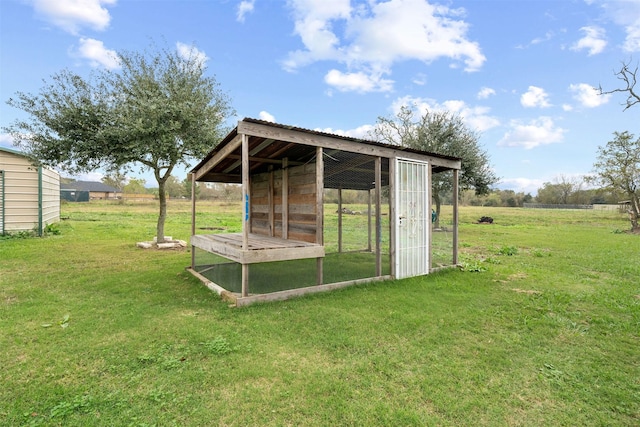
point(343, 168)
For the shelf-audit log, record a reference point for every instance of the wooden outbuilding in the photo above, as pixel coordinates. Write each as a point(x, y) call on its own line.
point(283, 248)
point(29, 194)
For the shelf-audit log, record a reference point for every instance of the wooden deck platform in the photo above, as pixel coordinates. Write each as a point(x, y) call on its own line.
point(260, 249)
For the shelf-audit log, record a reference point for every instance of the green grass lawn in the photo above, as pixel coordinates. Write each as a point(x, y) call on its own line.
point(540, 327)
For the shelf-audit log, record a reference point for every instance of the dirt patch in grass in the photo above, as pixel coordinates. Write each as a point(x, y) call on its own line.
point(512, 277)
point(526, 291)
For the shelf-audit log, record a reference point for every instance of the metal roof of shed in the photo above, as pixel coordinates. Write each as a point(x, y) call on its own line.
point(348, 161)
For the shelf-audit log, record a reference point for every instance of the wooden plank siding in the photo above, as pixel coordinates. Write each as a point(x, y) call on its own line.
point(267, 203)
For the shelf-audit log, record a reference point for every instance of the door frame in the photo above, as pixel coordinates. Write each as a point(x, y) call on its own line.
point(412, 218)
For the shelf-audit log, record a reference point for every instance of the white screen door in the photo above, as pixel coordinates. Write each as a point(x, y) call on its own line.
point(414, 218)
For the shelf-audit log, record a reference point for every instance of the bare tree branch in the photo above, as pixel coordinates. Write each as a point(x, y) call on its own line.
point(628, 76)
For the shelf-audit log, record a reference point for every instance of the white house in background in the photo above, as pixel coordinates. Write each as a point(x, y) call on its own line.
point(29, 194)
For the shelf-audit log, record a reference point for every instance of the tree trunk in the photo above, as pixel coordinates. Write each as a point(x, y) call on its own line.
point(436, 199)
point(634, 214)
point(162, 196)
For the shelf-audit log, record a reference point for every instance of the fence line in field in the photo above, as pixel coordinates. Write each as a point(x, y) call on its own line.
point(571, 206)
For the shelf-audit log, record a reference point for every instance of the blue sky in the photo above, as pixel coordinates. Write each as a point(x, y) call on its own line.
point(522, 73)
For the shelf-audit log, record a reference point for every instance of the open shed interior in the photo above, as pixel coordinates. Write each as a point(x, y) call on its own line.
point(314, 213)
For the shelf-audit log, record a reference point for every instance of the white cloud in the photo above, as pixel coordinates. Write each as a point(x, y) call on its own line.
point(588, 96)
point(540, 131)
point(360, 132)
point(89, 176)
point(97, 54)
point(358, 82)
point(476, 117)
point(632, 42)
point(485, 93)
point(190, 52)
point(6, 140)
point(525, 185)
point(71, 15)
point(245, 7)
point(535, 97)
point(377, 34)
point(420, 79)
point(594, 40)
point(626, 14)
point(263, 115)
point(547, 36)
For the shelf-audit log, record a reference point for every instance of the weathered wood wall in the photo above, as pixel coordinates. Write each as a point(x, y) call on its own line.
point(267, 206)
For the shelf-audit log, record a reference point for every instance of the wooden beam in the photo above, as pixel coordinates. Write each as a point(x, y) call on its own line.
point(246, 212)
point(245, 192)
point(222, 177)
point(270, 198)
point(339, 220)
point(292, 293)
point(219, 156)
point(229, 246)
point(378, 216)
point(369, 220)
point(430, 228)
point(307, 138)
point(265, 160)
point(256, 150)
point(319, 212)
point(193, 217)
point(285, 198)
point(245, 280)
point(455, 216)
point(224, 294)
point(319, 196)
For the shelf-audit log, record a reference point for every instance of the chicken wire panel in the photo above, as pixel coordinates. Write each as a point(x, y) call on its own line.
point(414, 218)
point(442, 252)
point(264, 278)
point(346, 170)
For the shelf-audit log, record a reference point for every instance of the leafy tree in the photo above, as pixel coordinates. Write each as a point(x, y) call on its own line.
point(174, 187)
point(116, 179)
point(561, 191)
point(444, 133)
point(618, 168)
point(157, 111)
point(135, 186)
point(186, 187)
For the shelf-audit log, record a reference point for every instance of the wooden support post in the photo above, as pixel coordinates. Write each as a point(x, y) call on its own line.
point(246, 215)
point(319, 212)
point(378, 216)
point(245, 280)
point(369, 220)
point(339, 220)
point(455, 216)
point(193, 218)
point(430, 227)
point(285, 198)
point(270, 203)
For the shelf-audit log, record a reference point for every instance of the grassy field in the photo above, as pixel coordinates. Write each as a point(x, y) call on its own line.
point(540, 327)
